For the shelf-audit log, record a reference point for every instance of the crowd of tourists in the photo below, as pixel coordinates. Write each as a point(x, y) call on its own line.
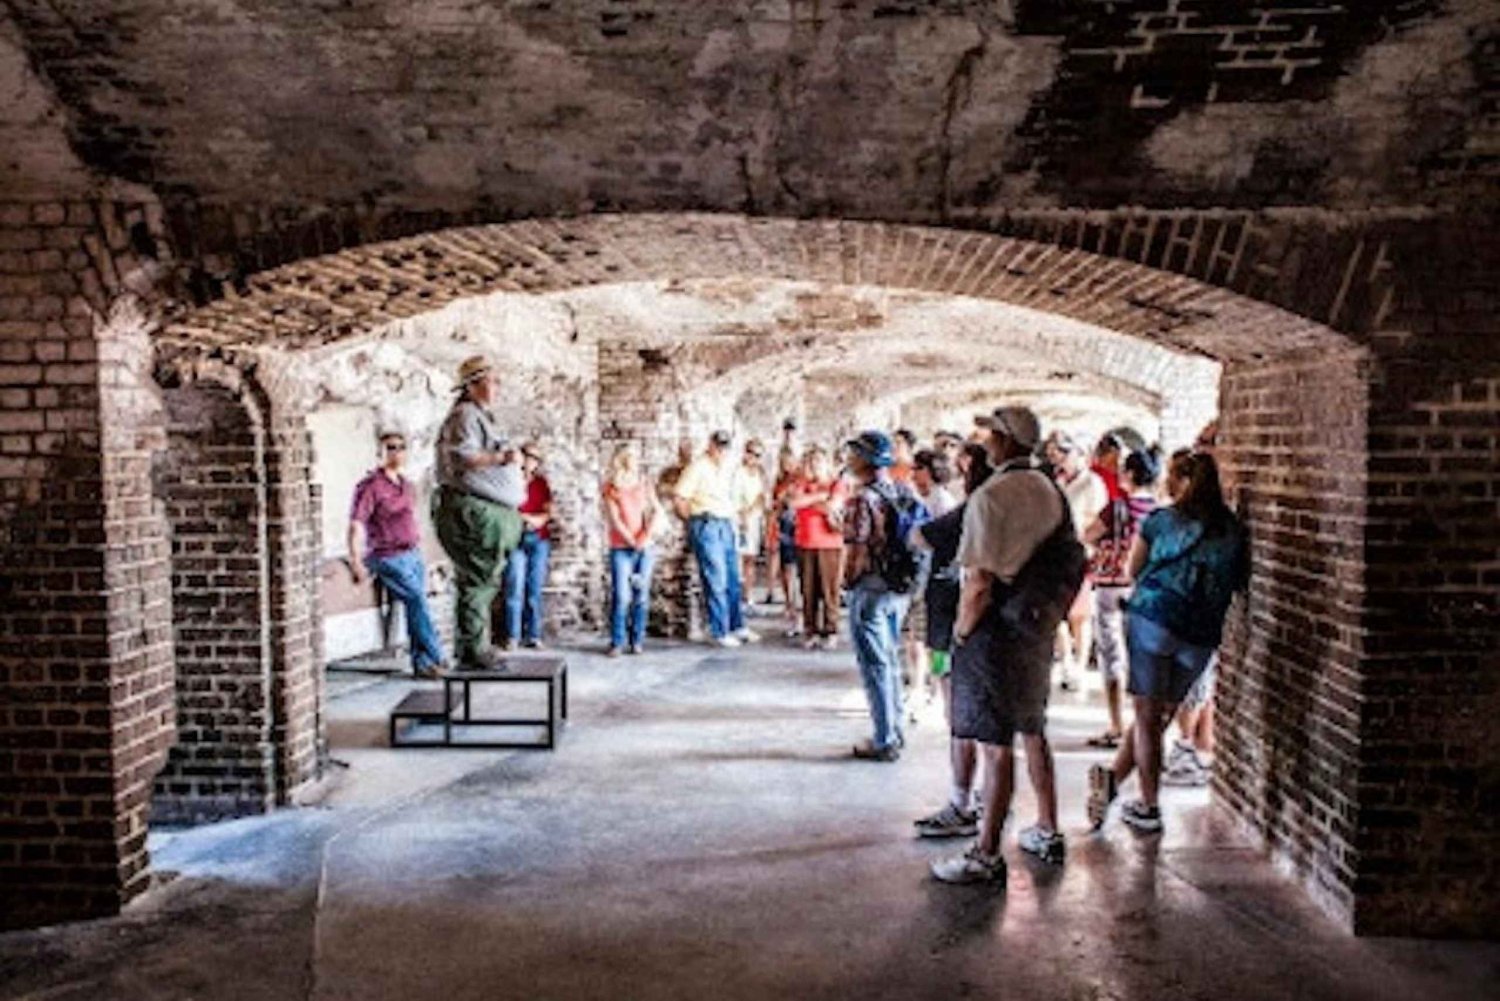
point(979, 564)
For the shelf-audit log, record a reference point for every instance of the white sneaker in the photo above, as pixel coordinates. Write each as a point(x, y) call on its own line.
point(1046, 845)
point(748, 635)
point(1187, 772)
point(727, 642)
point(973, 866)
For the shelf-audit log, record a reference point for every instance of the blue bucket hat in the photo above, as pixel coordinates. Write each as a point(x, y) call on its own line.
point(875, 448)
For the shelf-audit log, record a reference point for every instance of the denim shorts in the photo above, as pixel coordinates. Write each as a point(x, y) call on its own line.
point(1161, 665)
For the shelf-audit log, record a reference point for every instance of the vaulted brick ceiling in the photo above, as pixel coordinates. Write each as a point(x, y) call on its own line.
point(847, 108)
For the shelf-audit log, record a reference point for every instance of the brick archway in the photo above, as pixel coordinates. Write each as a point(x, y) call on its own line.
point(242, 513)
point(354, 292)
point(1297, 402)
point(1269, 354)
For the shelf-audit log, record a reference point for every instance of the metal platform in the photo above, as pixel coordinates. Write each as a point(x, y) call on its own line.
point(454, 707)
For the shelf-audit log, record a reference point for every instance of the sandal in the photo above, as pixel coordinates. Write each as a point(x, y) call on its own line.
point(1108, 741)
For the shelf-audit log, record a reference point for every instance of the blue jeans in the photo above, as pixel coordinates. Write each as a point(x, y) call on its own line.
point(630, 591)
point(713, 543)
point(405, 577)
point(874, 623)
point(525, 573)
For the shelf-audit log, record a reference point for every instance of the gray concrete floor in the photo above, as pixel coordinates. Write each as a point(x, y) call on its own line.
point(701, 833)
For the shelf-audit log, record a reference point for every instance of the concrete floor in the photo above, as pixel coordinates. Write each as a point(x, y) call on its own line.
point(701, 834)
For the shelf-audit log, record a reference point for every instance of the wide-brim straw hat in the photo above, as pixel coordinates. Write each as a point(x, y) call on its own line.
point(472, 369)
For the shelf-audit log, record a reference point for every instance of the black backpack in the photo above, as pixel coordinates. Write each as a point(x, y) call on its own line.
point(1037, 601)
point(901, 567)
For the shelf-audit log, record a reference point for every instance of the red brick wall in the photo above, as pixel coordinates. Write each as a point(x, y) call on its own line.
point(85, 669)
point(213, 482)
point(1291, 442)
point(1429, 780)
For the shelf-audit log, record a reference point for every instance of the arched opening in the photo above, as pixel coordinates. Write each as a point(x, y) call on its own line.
point(242, 518)
point(212, 480)
point(559, 298)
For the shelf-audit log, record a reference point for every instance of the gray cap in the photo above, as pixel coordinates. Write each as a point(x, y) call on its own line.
point(1019, 424)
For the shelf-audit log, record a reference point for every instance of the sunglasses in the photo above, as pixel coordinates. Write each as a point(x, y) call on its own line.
point(397, 446)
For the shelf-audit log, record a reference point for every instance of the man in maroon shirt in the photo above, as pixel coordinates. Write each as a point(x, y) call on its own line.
point(384, 512)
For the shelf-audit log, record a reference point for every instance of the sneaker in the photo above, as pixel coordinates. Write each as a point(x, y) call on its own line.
point(1186, 772)
point(748, 635)
point(633, 649)
point(1146, 819)
point(613, 651)
point(830, 642)
point(1046, 845)
point(727, 642)
point(973, 866)
point(949, 822)
point(811, 643)
point(869, 752)
point(1103, 788)
point(1179, 752)
point(532, 644)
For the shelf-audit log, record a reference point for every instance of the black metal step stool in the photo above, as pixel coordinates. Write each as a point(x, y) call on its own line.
point(454, 705)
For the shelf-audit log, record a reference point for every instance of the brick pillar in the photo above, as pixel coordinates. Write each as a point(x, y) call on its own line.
point(213, 482)
point(294, 543)
point(85, 660)
point(1292, 444)
point(1429, 778)
point(639, 402)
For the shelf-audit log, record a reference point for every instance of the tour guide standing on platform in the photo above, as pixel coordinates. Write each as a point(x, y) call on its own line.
point(385, 508)
point(480, 489)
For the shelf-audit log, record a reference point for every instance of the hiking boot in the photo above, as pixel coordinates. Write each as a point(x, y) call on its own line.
point(973, 866)
point(1103, 788)
point(949, 822)
point(1146, 819)
point(1046, 845)
point(870, 752)
point(488, 659)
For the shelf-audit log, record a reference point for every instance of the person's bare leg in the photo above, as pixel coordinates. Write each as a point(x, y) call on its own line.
point(1203, 731)
point(1187, 722)
point(1043, 772)
point(1083, 639)
point(1112, 702)
point(999, 786)
point(1151, 723)
point(1125, 757)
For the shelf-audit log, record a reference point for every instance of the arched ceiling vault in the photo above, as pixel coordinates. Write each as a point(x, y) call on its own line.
point(356, 292)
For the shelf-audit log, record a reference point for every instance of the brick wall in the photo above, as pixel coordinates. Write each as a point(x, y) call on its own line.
point(1430, 764)
point(213, 482)
point(1429, 779)
point(85, 704)
point(1291, 441)
point(639, 393)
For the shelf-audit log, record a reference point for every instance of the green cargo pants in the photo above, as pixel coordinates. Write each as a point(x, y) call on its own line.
point(478, 536)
